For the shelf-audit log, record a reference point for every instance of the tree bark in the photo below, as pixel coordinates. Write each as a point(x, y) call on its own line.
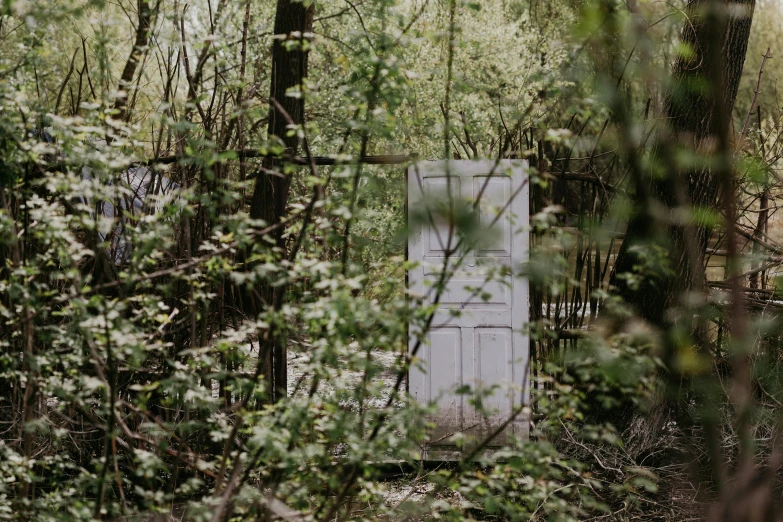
point(293, 21)
point(717, 33)
point(129, 71)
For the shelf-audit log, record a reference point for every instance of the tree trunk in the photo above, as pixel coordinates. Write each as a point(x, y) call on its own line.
point(717, 33)
point(293, 20)
point(661, 235)
point(129, 71)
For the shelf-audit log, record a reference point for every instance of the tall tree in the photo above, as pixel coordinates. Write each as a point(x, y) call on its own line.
point(698, 109)
point(293, 22)
point(129, 71)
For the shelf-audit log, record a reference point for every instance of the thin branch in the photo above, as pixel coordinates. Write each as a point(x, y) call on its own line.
point(755, 96)
point(65, 83)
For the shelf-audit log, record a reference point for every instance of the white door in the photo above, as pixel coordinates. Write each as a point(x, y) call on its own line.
point(477, 336)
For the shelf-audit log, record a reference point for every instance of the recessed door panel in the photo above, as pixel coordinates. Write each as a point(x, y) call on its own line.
point(492, 360)
point(438, 192)
point(445, 373)
point(493, 196)
point(469, 293)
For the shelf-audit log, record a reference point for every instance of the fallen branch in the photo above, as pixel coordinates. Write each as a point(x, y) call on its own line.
point(383, 159)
